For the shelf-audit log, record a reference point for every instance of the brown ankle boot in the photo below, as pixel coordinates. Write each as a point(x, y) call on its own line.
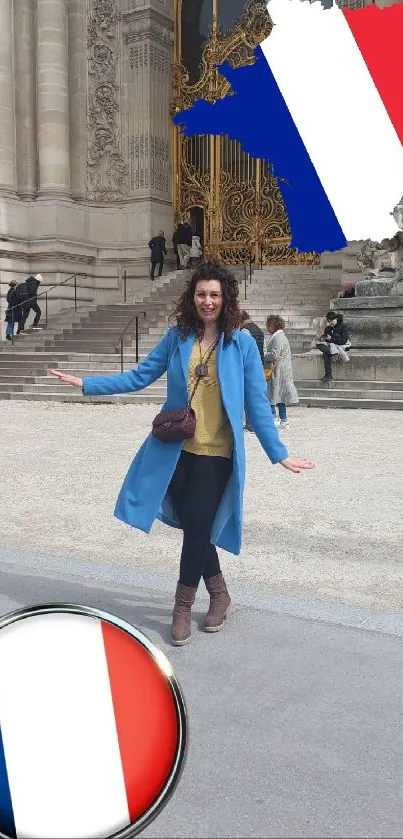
point(181, 615)
point(219, 603)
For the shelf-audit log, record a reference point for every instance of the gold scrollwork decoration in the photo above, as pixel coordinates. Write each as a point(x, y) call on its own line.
point(244, 212)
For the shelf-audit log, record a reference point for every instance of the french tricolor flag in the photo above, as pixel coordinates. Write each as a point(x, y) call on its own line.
point(88, 728)
point(339, 73)
point(323, 102)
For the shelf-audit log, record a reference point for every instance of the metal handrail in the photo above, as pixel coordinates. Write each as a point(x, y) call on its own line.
point(45, 294)
point(122, 335)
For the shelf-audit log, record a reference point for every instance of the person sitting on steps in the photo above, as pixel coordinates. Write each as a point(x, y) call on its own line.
point(334, 346)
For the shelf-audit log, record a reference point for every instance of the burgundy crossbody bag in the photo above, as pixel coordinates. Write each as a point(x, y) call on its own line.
point(180, 423)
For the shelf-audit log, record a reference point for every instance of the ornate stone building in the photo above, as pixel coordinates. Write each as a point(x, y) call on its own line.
point(85, 136)
point(90, 165)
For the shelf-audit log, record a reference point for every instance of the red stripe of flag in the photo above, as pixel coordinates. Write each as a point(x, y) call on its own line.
point(379, 35)
point(146, 719)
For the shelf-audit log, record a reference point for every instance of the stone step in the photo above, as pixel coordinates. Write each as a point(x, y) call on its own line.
point(20, 374)
point(339, 392)
point(46, 357)
point(42, 378)
point(293, 286)
point(22, 371)
point(302, 384)
point(369, 404)
point(54, 386)
point(364, 366)
point(26, 396)
point(27, 357)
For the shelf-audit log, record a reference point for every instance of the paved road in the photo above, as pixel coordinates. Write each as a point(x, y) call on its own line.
point(295, 709)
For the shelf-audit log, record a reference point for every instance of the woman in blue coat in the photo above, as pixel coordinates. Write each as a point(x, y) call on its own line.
point(197, 484)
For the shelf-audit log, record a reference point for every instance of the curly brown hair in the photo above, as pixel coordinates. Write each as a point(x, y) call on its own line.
point(276, 322)
point(184, 314)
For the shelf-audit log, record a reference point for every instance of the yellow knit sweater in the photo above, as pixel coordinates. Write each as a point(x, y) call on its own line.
point(213, 434)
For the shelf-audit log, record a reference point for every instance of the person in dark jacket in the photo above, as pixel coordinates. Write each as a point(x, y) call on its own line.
point(175, 244)
point(184, 243)
point(326, 337)
point(27, 294)
point(158, 249)
point(248, 325)
point(257, 333)
point(339, 339)
point(13, 316)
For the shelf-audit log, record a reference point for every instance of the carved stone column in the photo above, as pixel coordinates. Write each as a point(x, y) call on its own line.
point(77, 42)
point(107, 171)
point(25, 98)
point(148, 36)
point(7, 119)
point(53, 98)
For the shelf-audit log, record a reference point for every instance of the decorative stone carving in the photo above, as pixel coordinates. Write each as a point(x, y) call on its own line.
point(149, 159)
point(106, 169)
point(147, 24)
point(382, 262)
point(376, 257)
point(139, 56)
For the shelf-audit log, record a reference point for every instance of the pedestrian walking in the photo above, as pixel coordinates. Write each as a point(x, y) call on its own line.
point(27, 292)
point(158, 249)
point(175, 246)
point(196, 251)
point(10, 315)
point(248, 325)
point(184, 243)
point(277, 358)
point(190, 471)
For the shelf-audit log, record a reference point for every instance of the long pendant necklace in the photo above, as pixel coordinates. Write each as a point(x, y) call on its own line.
point(202, 367)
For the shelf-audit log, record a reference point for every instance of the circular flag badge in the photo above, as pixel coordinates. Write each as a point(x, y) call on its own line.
point(93, 726)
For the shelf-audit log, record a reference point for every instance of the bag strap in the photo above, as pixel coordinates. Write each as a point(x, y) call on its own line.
point(194, 391)
point(200, 377)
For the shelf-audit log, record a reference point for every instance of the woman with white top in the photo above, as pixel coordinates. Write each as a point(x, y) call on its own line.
point(196, 251)
point(281, 388)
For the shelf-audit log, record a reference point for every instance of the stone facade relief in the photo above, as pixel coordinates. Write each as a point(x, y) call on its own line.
point(107, 171)
point(148, 38)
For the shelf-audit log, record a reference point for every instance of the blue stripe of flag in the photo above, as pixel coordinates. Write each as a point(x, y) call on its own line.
point(7, 824)
point(257, 115)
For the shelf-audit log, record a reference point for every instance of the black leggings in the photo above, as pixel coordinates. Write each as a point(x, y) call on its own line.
point(196, 490)
point(327, 360)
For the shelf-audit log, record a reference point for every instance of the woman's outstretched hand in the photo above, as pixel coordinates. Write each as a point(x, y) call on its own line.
point(295, 465)
point(64, 377)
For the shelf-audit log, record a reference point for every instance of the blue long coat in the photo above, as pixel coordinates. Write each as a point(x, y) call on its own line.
point(143, 497)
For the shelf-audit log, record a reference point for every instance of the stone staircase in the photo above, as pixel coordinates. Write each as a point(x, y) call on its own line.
point(374, 376)
point(85, 342)
point(370, 380)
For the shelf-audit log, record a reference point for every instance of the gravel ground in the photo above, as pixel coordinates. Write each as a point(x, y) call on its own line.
point(334, 534)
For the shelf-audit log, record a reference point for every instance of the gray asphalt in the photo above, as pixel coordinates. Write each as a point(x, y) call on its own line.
point(295, 708)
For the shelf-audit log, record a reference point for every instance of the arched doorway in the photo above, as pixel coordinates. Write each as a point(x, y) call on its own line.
point(197, 222)
point(240, 199)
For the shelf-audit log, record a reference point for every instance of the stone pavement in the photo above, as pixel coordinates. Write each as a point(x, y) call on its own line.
point(335, 533)
point(295, 722)
point(295, 708)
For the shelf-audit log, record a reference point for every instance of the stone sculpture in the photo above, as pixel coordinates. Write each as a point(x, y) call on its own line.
point(382, 262)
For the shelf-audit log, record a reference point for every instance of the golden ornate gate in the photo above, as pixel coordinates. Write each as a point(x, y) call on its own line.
point(232, 198)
